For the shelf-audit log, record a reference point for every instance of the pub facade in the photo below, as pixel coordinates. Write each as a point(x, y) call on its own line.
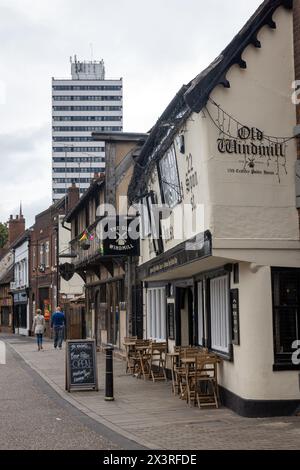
point(105, 265)
point(220, 264)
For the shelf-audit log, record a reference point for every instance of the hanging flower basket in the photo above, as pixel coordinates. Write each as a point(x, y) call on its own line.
point(85, 245)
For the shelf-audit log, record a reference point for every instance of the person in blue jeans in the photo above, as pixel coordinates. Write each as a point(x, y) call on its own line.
point(58, 322)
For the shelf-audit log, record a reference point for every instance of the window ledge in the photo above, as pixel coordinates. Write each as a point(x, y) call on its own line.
point(226, 356)
point(285, 367)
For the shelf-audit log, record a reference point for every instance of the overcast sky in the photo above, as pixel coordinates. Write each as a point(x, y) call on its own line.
point(156, 46)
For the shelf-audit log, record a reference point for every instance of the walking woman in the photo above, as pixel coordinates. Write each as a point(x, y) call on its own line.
point(38, 327)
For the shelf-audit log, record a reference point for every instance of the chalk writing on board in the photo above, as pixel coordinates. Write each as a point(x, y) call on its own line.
point(81, 364)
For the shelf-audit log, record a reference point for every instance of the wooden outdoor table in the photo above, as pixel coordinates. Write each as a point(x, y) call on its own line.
point(142, 350)
point(128, 345)
point(174, 356)
point(187, 362)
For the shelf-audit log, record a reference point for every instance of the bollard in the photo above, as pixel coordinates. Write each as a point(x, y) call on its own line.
point(109, 378)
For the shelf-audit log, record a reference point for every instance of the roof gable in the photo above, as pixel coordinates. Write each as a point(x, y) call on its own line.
point(194, 96)
point(215, 74)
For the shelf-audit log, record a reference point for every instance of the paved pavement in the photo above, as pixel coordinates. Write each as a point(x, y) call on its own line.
point(147, 413)
point(34, 417)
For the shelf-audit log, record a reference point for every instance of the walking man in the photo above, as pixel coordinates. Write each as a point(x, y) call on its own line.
point(58, 323)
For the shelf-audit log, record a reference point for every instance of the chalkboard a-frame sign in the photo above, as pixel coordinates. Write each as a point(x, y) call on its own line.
point(81, 365)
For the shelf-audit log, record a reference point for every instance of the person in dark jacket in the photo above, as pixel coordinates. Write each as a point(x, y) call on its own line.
point(58, 322)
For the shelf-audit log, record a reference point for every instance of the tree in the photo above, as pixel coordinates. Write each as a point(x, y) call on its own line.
point(3, 234)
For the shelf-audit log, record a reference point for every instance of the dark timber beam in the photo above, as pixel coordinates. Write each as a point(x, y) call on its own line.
point(256, 42)
point(108, 264)
point(242, 63)
point(271, 23)
point(223, 81)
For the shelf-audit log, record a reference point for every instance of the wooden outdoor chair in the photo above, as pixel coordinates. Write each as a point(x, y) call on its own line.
point(130, 351)
point(204, 389)
point(181, 369)
point(174, 368)
point(140, 358)
point(157, 361)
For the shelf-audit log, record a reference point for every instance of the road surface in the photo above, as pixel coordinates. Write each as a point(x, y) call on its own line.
point(34, 417)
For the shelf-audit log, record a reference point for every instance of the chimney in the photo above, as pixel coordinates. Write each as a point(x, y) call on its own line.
point(73, 196)
point(15, 228)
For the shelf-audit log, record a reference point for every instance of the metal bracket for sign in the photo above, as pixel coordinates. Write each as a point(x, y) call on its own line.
point(87, 386)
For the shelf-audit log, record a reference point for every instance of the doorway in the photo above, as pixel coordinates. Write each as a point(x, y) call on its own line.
point(185, 316)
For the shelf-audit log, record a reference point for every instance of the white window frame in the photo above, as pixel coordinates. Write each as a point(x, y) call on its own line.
point(168, 164)
point(220, 314)
point(200, 303)
point(47, 254)
point(42, 254)
point(145, 218)
point(156, 313)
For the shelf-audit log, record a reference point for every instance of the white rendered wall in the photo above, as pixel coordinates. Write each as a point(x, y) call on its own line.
point(74, 287)
point(251, 374)
point(260, 206)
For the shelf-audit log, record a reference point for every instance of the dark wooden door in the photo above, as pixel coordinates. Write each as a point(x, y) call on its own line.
point(74, 323)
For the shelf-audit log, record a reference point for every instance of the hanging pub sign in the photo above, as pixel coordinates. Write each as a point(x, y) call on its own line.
point(67, 271)
point(121, 237)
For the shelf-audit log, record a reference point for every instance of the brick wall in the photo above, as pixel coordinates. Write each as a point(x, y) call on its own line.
point(73, 197)
point(16, 227)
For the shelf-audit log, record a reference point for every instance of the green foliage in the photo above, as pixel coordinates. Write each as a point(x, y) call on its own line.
point(3, 234)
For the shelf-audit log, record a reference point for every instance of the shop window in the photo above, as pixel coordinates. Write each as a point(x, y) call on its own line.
point(5, 316)
point(286, 312)
point(156, 309)
point(219, 314)
point(21, 316)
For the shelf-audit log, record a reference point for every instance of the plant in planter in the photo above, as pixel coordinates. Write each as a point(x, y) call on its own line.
point(85, 245)
point(84, 241)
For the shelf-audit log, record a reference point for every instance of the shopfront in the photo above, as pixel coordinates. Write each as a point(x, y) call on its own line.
point(181, 288)
point(6, 315)
point(107, 304)
point(247, 314)
point(21, 313)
